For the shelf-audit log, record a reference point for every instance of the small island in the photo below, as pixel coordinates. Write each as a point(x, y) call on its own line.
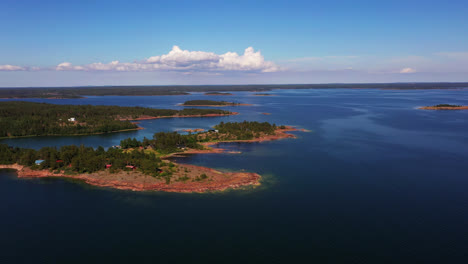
point(262, 94)
point(146, 165)
point(217, 93)
point(211, 103)
point(27, 119)
point(444, 107)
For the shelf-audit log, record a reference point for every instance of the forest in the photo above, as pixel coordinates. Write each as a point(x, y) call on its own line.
point(171, 142)
point(81, 159)
point(39, 119)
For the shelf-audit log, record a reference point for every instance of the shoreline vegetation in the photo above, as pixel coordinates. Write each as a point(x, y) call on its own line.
point(211, 103)
point(145, 165)
point(81, 92)
point(444, 107)
point(28, 119)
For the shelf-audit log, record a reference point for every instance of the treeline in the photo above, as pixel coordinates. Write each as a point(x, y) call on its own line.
point(246, 130)
point(38, 119)
point(206, 102)
point(76, 92)
point(81, 159)
point(171, 142)
point(164, 142)
point(132, 154)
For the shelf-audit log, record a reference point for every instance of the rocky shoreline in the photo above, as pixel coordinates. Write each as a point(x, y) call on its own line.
point(137, 181)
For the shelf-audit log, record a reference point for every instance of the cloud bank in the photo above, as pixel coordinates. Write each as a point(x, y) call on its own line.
point(8, 67)
point(184, 60)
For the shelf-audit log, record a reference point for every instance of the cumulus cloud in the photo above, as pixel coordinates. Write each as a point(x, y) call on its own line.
point(183, 60)
point(407, 70)
point(8, 67)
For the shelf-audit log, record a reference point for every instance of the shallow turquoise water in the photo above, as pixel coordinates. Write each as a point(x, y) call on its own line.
point(375, 181)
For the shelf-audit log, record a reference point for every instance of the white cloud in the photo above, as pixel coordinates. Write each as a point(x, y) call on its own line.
point(67, 66)
point(8, 67)
point(182, 60)
point(407, 70)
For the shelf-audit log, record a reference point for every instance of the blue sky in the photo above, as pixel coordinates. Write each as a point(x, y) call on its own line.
point(69, 43)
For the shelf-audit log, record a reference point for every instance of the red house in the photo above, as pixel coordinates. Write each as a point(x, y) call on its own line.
point(130, 167)
point(108, 166)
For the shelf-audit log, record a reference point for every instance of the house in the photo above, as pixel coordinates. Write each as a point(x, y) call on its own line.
point(130, 167)
point(71, 119)
point(108, 166)
point(59, 161)
point(38, 162)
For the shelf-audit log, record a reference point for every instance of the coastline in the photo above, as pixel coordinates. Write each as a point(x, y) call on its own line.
point(137, 181)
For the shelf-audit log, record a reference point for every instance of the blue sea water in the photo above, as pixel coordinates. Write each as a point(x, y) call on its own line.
point(375, 181)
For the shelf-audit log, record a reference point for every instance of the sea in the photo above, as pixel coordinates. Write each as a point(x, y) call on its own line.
point(376, 180)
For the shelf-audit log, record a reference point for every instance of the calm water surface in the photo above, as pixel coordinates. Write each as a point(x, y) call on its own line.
point(376, 181)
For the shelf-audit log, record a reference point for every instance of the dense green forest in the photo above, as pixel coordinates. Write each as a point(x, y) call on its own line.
point(207, 102)
point(76, 92)
point(170, 142)
point(39, 119)
point(81, 159)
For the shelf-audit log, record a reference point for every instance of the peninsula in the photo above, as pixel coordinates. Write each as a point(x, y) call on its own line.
point(25, 119)
point(145, 165)
point(211, 103)
point(444, 107)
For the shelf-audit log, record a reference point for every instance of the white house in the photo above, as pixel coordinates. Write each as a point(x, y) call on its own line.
point(71, 119)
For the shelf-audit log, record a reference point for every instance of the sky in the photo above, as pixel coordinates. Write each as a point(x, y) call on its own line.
point(80, 43)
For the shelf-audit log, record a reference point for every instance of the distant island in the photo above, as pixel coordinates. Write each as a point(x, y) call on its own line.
point(80, 92)
point(22, 119)
point(444, 107)
point(210, 103)
point(262, 94)
point(143, 165)
point(217, 93)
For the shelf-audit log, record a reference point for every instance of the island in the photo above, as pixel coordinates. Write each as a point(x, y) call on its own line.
point(217, 93)
point(211, 103)
point(444, 107)
point(146, 165)
point(262, 94)
point(26, 119)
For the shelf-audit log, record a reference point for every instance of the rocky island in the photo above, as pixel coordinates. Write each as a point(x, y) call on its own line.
point(146, 165)
point(444, 107)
